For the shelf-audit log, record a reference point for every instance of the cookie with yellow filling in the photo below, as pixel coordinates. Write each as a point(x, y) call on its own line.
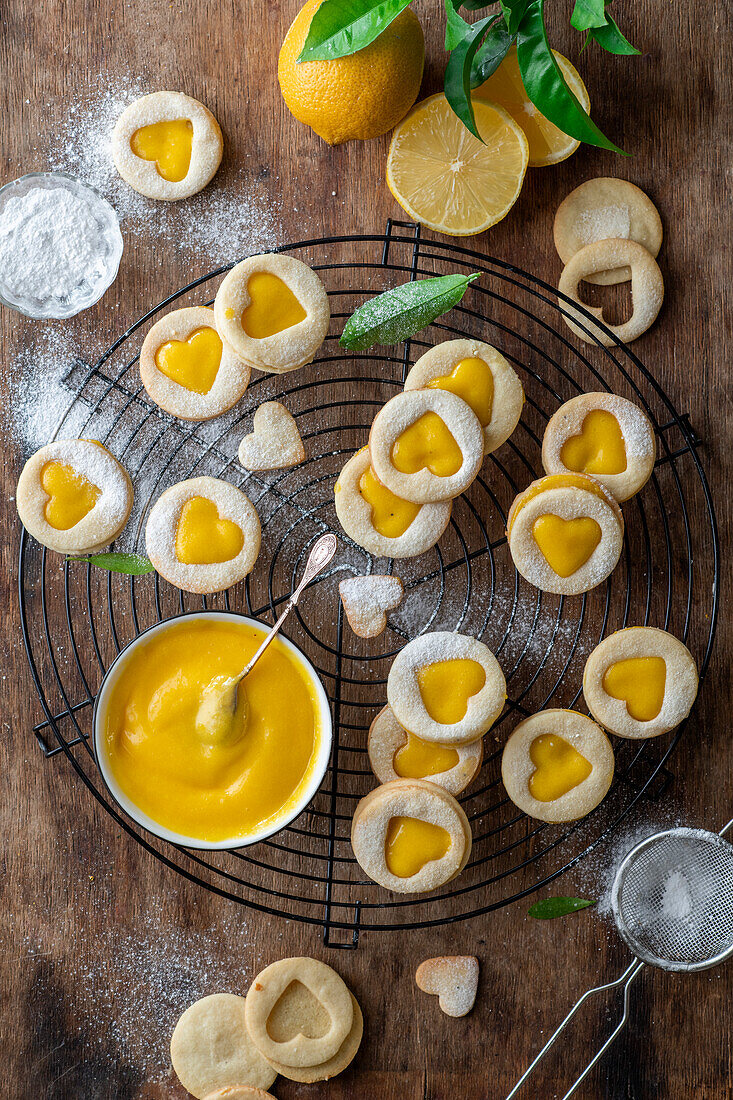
point(394, 753)
point(565, 533)
point(479, 374)
point(167, 145)
point(381, 522)
point(187, 369)
point(446, 687)
point(603, 435)
point(640, 682)
point(273, 311)
point(203, 535)
point(73, 496)
point(410, 836)
point(557, 765)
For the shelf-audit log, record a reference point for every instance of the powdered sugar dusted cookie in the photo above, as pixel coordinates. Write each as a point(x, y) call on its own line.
point(603, 208)
point(343, 1057)
point(187, 369)
point(605, 436)
point(383, 523)
point(167, 145)
point(565, 533)
point(73, 496)
point(240, 1092)
point(203, 535)
point(446, 687)
point(480, 375)
point(640, 682)
point(426, 445)
point(453, 979)
point(396, 754)
point(367, 600)
point(273, 311)
point(275, 441)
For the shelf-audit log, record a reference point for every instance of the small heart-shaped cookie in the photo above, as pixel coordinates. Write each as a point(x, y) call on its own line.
point(566, 544)
point(367, 600)
point(275, 442)
point(453, 978)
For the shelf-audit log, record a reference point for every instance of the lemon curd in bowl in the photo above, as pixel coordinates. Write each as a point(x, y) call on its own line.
point(211, 791)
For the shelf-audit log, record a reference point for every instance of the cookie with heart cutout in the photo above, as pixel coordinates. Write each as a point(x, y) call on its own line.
point(446, 687)
point(394, 753)
point(186, 368)
point(273, 311)
point(343, 1057)
point(167, 145)
point(203, 535)
point(299, 1012)
point(565, 533)
point(211, 1048)
point(603, 435)
point(453, 979)
point(640, 682)
point(274, 443)
point(410, 836)
point(480, 375)
point(366, 601)
point(426, 445)
point(381, 522)
point(557, 765)
point(73, 496)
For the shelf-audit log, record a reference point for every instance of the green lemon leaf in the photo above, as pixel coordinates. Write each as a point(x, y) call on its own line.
point(550, 908)
point(398, 314)
point(132, 564)
point(587, 14)
point(611, 39)
point(455, 26)
point(513, 12)
point(475, 5)
point(342, 27)
point(491, 53)
point(457, 79)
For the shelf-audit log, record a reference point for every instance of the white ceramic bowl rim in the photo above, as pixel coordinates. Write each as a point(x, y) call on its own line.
point(152, 826)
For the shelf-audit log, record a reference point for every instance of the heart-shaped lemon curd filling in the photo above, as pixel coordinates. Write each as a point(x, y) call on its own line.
point(297, 1011)
point(556, 481)
point(446, 687)
point(168, 143)
point(639, 682)
point(472, 380)
point(600, 447)
point(203, 537)
point(71, 495)
point(272, 308)
point(192, 363)
point(417, 758)
point(559, 767)
point(411, 843)
point(429, 443)
point(391, 515)
point(566, 544)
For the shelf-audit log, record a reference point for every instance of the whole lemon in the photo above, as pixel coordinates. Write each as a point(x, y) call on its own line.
point(356, 97)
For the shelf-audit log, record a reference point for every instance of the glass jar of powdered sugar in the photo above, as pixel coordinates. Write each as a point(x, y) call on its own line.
point(60, 245)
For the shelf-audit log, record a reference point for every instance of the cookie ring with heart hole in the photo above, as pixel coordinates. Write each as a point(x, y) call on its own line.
point(387, 739)
point(344, 1056)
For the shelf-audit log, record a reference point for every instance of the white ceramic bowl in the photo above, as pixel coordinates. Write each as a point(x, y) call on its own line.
point(100, 751)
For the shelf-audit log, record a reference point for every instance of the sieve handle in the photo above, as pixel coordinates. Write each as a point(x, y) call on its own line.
point(725, 828)
point(625, 980)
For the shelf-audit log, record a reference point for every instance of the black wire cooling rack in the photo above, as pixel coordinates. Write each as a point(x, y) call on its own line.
point(75, 619)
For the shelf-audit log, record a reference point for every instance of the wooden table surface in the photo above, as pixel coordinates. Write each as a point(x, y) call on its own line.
point(102, 945)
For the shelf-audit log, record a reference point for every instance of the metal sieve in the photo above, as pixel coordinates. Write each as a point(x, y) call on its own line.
point(672, 901)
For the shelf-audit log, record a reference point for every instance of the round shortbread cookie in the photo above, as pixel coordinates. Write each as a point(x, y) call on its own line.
point(494, 392)
point(442, 657)
point(287, 312)
point(640, 682)
point(211, 1048)
point(565, 533)
point(420, 528)
point(171, 356)
point(410, 836)
point(457, 764)
point(343, 1057)
point(290, 993)
point(603, 208)
point(203, 513)
point(202, 137)
point(605, 436)
point(73, 496)
point(647, 290)
point(240, 1092)
point(572, 767)
point(461, 441)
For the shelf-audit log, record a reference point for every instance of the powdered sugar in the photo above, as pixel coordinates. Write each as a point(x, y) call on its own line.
point(677, 901)
point(601, 222)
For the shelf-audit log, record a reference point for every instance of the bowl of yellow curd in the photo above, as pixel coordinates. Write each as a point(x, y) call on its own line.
point(225, 787)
